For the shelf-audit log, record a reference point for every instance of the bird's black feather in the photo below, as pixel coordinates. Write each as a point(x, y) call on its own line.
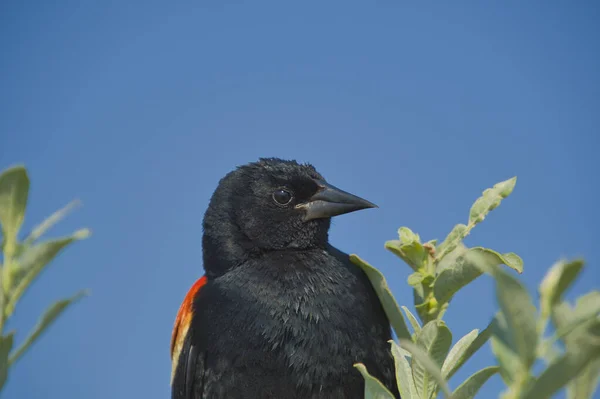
point(283, 313)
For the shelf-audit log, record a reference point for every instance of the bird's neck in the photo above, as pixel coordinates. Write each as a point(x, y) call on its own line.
point(225, 248)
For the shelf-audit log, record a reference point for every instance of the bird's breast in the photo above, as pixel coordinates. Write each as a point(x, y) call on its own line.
point(308, 308)
point(300, 320)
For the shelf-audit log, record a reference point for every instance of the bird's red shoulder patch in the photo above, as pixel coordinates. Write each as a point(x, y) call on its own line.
point(182, 322)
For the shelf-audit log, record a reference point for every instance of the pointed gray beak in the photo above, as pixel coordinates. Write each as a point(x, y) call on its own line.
point(331, 201)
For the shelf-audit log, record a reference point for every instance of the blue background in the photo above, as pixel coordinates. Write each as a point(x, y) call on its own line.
point(139, 108)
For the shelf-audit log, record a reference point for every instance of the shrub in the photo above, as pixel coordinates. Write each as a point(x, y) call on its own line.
point(426, 359)
point(23, 260)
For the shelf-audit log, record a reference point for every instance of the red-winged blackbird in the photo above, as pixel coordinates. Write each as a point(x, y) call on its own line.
point(280, 313)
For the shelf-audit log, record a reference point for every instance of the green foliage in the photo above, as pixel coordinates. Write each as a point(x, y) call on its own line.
point(426, 359)
point(373, 388)
point(23, 261)
point(519, 338)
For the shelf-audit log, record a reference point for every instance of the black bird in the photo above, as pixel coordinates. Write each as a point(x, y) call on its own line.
point(279, 313)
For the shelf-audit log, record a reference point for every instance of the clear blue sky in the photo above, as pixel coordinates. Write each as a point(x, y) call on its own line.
point(138, 108)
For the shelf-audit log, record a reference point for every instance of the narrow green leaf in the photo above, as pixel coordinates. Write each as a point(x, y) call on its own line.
point(385, 296)
point(413, 254)
point(510, 365)
point(40, 229)
point(33, 261)
point(51, 314)
point(451, 241)
point(374, 389)
point(511, 260)
point(435, 339)
point(14, 190)
point(494, 258)
point(469, 388)
point(470, 349)
point(584, 385)
point(407, 236)
point(465, 269)
point(413, 320)
point(565, 368)
point(404, 379)
point(562, 318)
point(586, 310)
point(588, 305)
point(490, 199)
point(560, 276)
point(571, 323)
point(432, 370)
point(457, 352)
point(518, 310)
point(6, 343)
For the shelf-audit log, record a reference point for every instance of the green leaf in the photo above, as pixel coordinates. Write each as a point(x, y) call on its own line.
point(469, 388)
point(435, 339)
point(584, 385)
point(586, 311)
point(407, 236)
point(510, 365)
point(415, 278)
point(490, 199)
point(374, 389)
point(565, 368)
point(587, 305)
point(414, 254)
point(14, 190)
point(413, 320)
point(462, 351)
point(450, 280)
point(33, 261)
point(404, 379)
point(560, 276)
point(457, 352)
point(385, 296)
point(40, 229)
point(451, 258)
point(426, 369)
point(465, 269)
point(518, 311)
point(51, 314)
point(494, 258)
point(451, 241)
point(6, 343)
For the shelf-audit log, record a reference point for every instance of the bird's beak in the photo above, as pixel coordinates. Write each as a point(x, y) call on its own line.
point(331, 201)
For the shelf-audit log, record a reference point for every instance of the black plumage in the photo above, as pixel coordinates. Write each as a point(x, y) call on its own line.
point(281, 313)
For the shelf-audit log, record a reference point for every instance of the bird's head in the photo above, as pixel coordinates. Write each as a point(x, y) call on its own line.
point(269, 205)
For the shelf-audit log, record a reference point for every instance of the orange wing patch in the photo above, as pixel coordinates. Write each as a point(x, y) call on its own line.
point(182, 323)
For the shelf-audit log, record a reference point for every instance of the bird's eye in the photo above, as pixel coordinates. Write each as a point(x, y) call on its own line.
point(282, 197)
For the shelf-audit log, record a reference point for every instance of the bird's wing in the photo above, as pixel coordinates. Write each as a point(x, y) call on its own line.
point(185, 356)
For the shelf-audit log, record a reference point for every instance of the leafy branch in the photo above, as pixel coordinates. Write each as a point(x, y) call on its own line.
point(23, 261)
point(426, 359)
